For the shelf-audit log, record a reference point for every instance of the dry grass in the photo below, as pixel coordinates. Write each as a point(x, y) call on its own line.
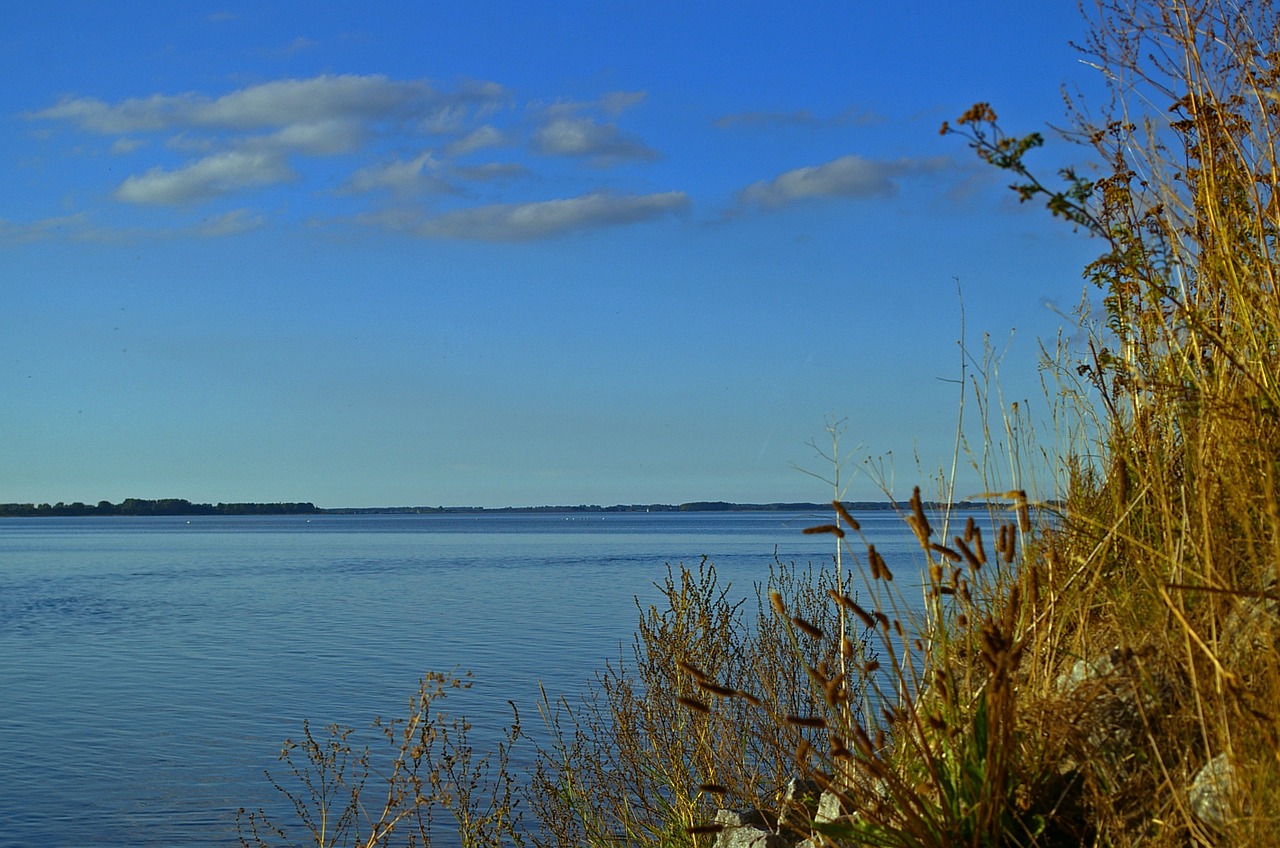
point(430, 777)
point(672, 732)
point(1069, 686)
point(1078, 664)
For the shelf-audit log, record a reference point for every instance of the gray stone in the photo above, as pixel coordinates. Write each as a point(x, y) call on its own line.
point(1212, 790)
point(1118, 697)
point(829, 808)
point(1251, 630)
point(799, 805)
point(746, 830)
point(750, 837)
point(739, 818)
point(804, 802)
point(750, 829)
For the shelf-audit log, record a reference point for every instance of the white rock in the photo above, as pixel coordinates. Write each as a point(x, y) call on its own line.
point(1211, 792)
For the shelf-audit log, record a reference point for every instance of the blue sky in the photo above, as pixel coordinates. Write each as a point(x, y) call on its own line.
point(481, 253)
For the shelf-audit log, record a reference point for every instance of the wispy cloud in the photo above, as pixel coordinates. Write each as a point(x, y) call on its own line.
point(123, 146)
point(470, 100)
point(318, 138)
point(15, 232)
point(82, 228)
point(491, 171)
point(550, 218)
point(797, 118)
point(213, 176)
point(848, 177)
point(617, 102)
point(580, 136)
point(232, 223)
point(567, 129)
point(271, 104)
point(244, 139)
point(301, 44)
point(251, 138)
point(399, 176)
point(481, 138)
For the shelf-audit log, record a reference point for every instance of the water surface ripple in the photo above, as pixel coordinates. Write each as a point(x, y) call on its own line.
point(151, 667)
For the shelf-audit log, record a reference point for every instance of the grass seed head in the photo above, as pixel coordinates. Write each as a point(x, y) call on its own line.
point(851, 605)
point(805, 721)
point(917, 520)
point(944, 552)
point(969, 555)
point(691, 670)
point(879, 571)
point(715, 689)
point(809, 629)
point(845, 516)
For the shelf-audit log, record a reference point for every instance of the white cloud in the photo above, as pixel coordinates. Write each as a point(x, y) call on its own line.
point(12, 232)
point(139, 114)
point(797, 118)
point(849, 176)
point(301, 44)
point(611, 103)
point(314, 100)
point(551, 218)
point(232, 223)
point(250, 137)
point(122, 146)
point(574, 135)
point(478, 139)
point(471, 100)
point(491, 171)
point(219, 174)
point(242, 138)
point(400, 176)
point(188, 143)
point(321, 138)
point(81, 228)
point(616, 102)
point(273, 104)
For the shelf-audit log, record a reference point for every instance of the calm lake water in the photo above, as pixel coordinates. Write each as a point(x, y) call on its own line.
point(151, 667)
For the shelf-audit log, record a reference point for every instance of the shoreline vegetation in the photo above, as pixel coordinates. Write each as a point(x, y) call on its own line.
point(1105, 672)
point(182, 507)
point(1099, 670)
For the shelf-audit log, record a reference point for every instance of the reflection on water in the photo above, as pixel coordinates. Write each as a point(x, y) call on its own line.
point(151, 667)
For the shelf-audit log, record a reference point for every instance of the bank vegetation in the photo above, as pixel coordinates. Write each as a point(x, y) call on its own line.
point(1104, 672)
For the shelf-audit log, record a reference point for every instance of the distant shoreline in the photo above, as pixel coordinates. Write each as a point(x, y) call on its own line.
point(179, 506)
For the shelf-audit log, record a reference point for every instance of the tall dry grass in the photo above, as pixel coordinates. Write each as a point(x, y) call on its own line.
point(1176, 532)
point(671, 732)
point(425, 779)
point(1076, 692)
point(1080, 662)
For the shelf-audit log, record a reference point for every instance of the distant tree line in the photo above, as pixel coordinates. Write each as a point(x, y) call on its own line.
point(693, 506)
point(163, 506)
point(181, 506)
